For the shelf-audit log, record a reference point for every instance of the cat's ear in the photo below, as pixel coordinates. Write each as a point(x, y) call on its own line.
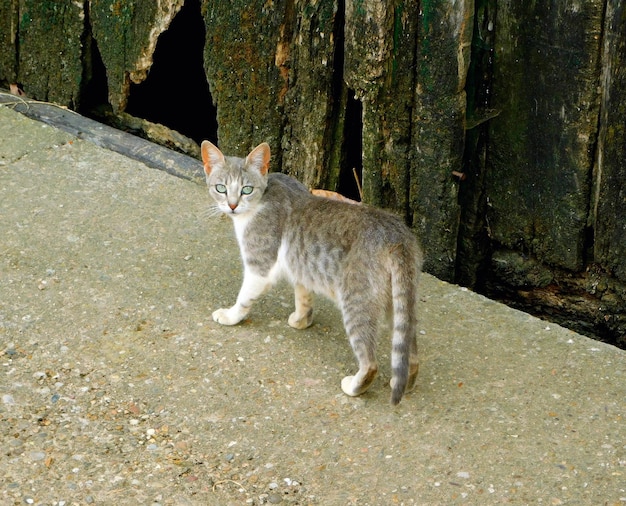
point(211, 156)
point(259, 158)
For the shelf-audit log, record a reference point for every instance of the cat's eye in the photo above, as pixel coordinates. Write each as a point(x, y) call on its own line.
point(247, 190)
point(220, 188)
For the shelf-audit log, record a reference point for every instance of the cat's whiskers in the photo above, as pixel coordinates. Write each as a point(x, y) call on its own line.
point(211, 212)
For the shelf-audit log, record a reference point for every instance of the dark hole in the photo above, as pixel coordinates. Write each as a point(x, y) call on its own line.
point(94, 92)
point(176, 93)
point(352, 161)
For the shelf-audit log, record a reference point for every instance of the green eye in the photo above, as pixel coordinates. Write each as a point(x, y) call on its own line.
point(220, 188)
point(247, 190)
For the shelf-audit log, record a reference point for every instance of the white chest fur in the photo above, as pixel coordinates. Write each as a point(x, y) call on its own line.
point(240, 222)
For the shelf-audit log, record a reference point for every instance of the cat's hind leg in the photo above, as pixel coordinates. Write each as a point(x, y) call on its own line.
point(302, 317)
point(252, 287)
point(362, 329)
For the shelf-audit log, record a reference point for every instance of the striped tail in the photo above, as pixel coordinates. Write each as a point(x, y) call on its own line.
point(405, 270)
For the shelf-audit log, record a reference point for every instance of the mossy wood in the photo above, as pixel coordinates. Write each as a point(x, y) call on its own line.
point(541, 149)
point(494, 127)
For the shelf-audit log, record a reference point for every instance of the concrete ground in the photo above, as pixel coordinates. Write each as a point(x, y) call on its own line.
point(118, 388)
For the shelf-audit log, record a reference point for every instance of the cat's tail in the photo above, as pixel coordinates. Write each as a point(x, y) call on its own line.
point(405, 271)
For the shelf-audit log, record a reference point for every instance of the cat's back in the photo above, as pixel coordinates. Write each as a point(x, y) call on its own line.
point(328, 221)
point(354, 222)
point(283, 187)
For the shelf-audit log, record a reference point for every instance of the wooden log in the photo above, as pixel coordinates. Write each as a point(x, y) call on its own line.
point(150, 154)
point(541, 145)
point(609, 203)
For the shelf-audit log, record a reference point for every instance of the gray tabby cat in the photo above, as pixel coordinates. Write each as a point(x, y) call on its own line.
point(364, 259)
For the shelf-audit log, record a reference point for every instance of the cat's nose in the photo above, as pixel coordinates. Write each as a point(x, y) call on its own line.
point(233, 206)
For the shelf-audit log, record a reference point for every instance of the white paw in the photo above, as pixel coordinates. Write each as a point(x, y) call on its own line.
point(299, 323)
point(224, 317)
point(347, 385)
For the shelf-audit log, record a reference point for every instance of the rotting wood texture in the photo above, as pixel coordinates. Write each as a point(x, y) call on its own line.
point(506, 164)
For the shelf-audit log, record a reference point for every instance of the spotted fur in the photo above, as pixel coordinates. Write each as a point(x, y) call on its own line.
point(364, 259)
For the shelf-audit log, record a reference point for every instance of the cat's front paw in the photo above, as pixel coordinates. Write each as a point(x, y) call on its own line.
point(225, 317)
point(300, 322)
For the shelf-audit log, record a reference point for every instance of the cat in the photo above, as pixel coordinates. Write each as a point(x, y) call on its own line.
point(364, 259)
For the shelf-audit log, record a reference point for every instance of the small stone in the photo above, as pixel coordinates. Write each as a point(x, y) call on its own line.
point(181, 446)
point(274, 499)
point(35, 456)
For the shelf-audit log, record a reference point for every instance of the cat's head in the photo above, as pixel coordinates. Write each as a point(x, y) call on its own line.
point(236, 184)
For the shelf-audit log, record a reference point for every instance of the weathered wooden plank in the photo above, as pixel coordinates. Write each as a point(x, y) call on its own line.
point(473, 245)
point(49, 57)
point(311, 91)
point(438, 128)
point(407, 62)
point(379, 66)
point(126, 34)
point(9, 19)
point(396, 99)
point(240, 59)
point(541, 145)
point(609, 211)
